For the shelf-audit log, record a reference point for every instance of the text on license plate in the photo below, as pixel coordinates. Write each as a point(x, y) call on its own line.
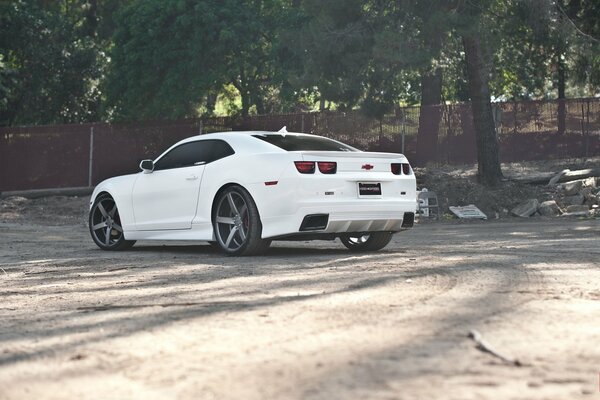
point(369, 189)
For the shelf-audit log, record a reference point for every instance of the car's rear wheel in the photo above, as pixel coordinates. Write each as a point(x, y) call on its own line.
point(369, 242)
point(236, 223)
point(105, 225)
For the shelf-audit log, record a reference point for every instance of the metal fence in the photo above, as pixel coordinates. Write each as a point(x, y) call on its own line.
point(37, 157)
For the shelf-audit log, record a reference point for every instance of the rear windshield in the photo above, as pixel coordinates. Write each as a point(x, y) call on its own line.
point(304, 143)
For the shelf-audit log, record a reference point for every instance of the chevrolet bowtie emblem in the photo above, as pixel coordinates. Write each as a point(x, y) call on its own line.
point(367, 167)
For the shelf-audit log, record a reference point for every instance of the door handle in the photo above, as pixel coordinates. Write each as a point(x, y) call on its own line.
point(191, 178)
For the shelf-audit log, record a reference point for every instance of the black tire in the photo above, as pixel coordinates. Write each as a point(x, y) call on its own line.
point(369, 242)
point(236, 223)
point(105, 225)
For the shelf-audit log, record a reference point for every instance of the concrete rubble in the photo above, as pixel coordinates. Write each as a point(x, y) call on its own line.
point(580, 197)
point(549, 208)
point(526, 209)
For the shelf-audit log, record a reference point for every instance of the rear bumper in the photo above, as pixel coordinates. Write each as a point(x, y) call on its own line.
point(349, 216)
point(283, 207)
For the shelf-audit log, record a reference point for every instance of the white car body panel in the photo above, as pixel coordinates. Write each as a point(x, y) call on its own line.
point(178, 188)
point(168, 205)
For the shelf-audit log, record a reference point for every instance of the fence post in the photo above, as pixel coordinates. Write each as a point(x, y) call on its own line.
point(403, 129)
point(200, 127)
point(587, 129)
point(91, 156)
point(302, 123)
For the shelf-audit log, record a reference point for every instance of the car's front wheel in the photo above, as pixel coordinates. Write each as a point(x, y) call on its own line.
point(105, 225)
point(369, 242)
point(236, 223)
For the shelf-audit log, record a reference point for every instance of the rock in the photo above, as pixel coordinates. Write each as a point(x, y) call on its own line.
point(554, 180)
point(589, 196)
point(549, 208)
point(577, 209)
point(526, 209)
point(592, 200)
point(571, 188)
point(589, 182)
point(575, 200)
point(586, 191)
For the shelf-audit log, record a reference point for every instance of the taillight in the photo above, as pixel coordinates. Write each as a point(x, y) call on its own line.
point(403, 168)
point(305, 167)
point(327, 167)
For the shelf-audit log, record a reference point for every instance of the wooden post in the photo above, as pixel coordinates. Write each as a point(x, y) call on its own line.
point(91, 158)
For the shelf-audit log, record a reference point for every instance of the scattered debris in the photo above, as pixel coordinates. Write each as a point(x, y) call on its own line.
point(486, 347)
point(78, 357)
point(468, 212)
point(578, 195)
point(554, 180)
point(575, 200)
point(526, 209)
point(591, 182)
point(428, 204)
point(539, 179)
point(571, 188)
point(549, 208)
point(577, 210)
point(580, 174)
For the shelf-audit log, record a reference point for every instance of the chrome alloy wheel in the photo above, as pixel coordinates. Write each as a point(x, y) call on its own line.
point(105, 224)
point(232, 221)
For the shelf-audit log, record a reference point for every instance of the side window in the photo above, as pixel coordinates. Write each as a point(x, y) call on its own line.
point(219, 149)
point(193, 153)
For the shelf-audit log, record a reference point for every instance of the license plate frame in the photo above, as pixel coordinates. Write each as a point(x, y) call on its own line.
point(369, 189)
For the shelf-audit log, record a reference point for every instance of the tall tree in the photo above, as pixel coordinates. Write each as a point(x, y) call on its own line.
point(478, 73)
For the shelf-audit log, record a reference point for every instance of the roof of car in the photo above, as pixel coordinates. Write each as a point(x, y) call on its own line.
point(229, 134)
point(242, 139)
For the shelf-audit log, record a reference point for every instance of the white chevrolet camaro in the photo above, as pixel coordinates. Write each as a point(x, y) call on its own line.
point(241, 190)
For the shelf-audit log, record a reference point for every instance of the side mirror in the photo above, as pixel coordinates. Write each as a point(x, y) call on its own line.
point(147, 166)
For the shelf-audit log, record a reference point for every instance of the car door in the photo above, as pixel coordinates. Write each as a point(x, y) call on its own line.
point(166, 198)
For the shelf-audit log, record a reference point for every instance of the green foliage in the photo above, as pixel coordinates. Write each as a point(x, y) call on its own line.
point(49, 66)
point(85, 60)
point(168, 55)
point(332, 44)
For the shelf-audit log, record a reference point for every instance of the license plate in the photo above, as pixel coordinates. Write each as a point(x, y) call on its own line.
point(369, 189)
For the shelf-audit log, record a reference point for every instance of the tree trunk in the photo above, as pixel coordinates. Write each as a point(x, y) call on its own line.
point(430, 116)
point(561, 94)
point(244, 94)
point(245, 104)
point(488, 159)
point(259, 103)
point(211, 102)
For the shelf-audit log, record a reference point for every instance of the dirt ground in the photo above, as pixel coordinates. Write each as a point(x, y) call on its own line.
point(306, 321)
